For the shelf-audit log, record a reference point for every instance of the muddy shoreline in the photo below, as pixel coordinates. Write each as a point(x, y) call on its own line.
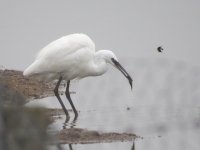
point(84, 136)
point(31, 89)
point(28, 87)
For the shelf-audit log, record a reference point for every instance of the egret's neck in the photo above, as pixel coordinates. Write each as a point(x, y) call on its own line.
point(99, 66)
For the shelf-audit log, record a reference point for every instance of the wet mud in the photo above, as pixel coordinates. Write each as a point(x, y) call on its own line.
point(84, 136)
point(30, 88)
point(24, 90)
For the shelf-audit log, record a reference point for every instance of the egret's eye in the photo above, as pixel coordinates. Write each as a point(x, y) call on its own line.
point(113, 60)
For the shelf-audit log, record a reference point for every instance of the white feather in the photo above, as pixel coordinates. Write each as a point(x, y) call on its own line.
point(58, 57)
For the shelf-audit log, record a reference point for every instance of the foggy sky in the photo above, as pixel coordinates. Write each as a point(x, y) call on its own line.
point(131, 28)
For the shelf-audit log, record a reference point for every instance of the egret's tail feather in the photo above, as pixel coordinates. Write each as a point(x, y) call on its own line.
point(32, 69)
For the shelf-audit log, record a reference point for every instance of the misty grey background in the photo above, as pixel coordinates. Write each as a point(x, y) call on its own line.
point(165, 97)
point(131, 28)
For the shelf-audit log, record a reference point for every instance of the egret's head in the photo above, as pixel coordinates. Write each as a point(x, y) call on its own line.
point(106, 55)
point(111, 58)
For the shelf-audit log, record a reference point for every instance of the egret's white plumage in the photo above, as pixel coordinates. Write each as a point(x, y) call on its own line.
point(70, 57)
point(65, 56)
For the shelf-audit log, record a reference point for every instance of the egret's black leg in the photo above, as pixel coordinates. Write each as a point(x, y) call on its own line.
point(58, 97)
point(70, 147)
point(70, 100)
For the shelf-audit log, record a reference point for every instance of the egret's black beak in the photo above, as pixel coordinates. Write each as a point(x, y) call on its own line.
point(120, 68)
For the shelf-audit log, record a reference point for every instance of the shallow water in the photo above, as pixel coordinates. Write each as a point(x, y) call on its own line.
point(163, 108)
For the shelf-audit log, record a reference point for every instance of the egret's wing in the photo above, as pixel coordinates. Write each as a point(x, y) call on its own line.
point(66, 45)
point(59, 54)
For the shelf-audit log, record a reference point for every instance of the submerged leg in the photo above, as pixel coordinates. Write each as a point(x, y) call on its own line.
point(58, 97)
point(70, 100)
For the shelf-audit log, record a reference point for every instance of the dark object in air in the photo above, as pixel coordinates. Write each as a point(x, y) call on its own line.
point(160, 49)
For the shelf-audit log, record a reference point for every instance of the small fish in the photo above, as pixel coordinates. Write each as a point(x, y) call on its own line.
point(160, 49)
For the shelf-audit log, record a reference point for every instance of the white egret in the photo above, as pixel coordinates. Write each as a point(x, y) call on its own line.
point(72, 57)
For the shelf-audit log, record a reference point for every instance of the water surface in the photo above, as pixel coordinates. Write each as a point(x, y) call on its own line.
point(163, 108)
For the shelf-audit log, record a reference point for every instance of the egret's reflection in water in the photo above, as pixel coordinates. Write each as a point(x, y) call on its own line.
point(70, 123)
